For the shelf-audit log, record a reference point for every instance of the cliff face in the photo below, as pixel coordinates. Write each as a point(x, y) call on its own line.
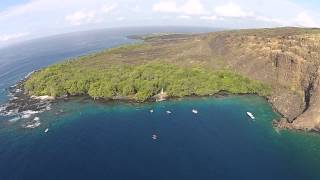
point(288, 59)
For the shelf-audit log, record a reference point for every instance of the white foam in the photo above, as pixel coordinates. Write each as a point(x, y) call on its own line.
point(34, 123)
point(29, 74)
point(26, 116)
point(30, 112)
point(12, 112)
point(48, 108)
point(18, 90)
point(43, 97)
point(14, 119)
point(2, 108)
point(14, 98)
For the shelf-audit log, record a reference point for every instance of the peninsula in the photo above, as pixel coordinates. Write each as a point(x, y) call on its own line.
point(280, 64)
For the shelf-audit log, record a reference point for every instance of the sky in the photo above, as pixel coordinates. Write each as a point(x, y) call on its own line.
point(27, 19)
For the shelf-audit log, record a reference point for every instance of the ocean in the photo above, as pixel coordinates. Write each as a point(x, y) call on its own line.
point(94, 140)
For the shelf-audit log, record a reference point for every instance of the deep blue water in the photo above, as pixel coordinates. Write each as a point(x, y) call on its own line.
point(91, 140)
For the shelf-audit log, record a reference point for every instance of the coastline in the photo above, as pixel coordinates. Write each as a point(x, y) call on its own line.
point(286, 102)
point(25, 106)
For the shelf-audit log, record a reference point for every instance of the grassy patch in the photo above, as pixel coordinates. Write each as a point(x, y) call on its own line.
point(126, 48)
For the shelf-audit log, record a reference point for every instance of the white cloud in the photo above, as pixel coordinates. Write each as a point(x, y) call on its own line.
point(232, 10)
point(109, 8)
point(45, 17)
point(303, 19)
point(165, 17)
point(272, 20)
point(14, 36)
point(184, 17)
point(165, 6)
point(147, 18)
point(136, 9)
point(81, 17)
point(120, 18)
point(211, 18)
point(191, 7)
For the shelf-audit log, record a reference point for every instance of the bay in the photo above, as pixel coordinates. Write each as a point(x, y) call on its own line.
point(92, 140)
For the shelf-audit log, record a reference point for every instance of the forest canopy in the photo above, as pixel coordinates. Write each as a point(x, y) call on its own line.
point(139, 82)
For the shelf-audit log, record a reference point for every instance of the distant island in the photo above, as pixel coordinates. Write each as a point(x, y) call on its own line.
point(280, 64)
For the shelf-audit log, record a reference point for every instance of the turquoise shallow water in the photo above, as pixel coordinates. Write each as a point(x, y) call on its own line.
point(114, 141)
point(91, 140)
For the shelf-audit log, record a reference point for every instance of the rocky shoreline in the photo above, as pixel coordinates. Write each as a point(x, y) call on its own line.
point(22, 106)
point(283, 123)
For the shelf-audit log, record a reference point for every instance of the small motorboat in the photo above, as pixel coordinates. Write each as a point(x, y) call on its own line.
point(46, 130)
point(250, 115)
point(154, 137)
point(168, 112)
point(151, 110)
point(195, 111)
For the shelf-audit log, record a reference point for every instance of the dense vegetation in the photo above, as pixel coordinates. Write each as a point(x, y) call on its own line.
point(138, 82)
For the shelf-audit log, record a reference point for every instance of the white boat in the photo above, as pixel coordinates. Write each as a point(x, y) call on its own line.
point(151, 110)
point(168, 112)
point(46, 130)
point(250, 115)
point(195, 111)
point(154, 137)
point(162, 96)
